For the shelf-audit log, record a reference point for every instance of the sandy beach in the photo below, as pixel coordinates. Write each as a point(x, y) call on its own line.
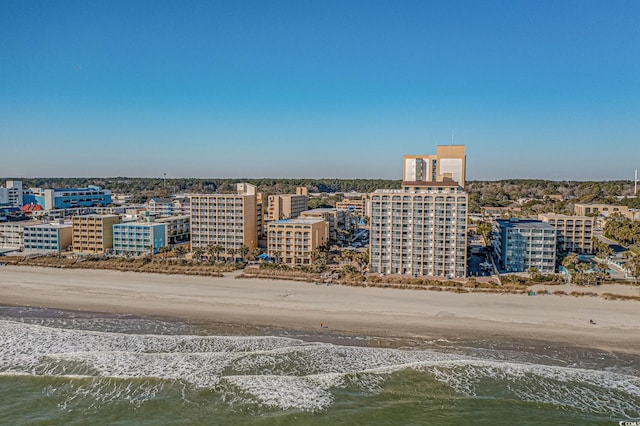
point(341, 309)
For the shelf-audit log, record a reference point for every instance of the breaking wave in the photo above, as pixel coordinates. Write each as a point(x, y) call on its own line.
point(282, 373)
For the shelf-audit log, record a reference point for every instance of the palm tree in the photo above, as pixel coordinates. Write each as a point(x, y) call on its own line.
point(231, 252)
point(210, 249)
point(633, 266)
point(243, 251)
point(164, 250)
point(570, 261)
point(217, 249)
point(198, 252)
point(179, 251)
point(363, 260)
point(255, 253)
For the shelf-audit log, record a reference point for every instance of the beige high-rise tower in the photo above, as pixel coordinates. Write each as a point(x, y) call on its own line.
point(449, 162)
point(229, 220)
point(288, 206)
point(421, 229)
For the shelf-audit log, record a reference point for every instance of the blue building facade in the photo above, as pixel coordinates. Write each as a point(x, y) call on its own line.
point(47, 237)
point(65, 198)
point(136, 239)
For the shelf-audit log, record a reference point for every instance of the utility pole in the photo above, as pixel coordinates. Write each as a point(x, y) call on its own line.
point(165, 179)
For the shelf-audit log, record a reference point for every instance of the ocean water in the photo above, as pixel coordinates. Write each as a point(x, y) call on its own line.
point(64, 368)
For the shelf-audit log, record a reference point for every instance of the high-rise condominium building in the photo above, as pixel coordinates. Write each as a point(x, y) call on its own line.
point(421, 229)
point(449, 162)
point(288, 206)
point(228, 220)
point(523, 244)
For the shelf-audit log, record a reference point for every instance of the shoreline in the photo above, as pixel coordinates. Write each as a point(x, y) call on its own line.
point(344, 311)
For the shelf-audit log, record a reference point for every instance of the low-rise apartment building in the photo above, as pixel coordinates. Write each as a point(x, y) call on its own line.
point(137, 238)
point(164, 207)
point(338, 219)
point(522, 244)
point(11, 234)
point(93, 233)
point(12, 195)
point(65, 198)
point(292, 241)
point(53, 237)
point(178, 228)
point(607, 210)
point(355, 205)
point(574, 233)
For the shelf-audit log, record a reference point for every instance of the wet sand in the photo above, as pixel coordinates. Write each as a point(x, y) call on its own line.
point(345, 310)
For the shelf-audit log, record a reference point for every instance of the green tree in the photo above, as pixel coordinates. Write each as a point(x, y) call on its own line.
point(242, 251)
point(198, 252)
point(231, 252)
point(179, 251)
point(217, 250)
point(633, 266)
point(164, 250)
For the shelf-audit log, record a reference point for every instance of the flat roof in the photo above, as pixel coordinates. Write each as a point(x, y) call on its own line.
point(298, 221)
point(96, 216)
point(128, 224)
point(51, 225)
point(322, 210)
point(170, 218)
point(564, 216)
point(525, 224)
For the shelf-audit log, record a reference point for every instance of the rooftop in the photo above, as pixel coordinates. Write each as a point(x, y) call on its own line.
point(525, 224)
point(51, 225)
point(130, 224)
point(298, 221)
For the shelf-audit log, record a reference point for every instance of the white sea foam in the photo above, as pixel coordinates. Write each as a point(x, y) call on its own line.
point(284, 373)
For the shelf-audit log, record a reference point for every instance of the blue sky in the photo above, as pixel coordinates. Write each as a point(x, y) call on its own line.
point(535, 89)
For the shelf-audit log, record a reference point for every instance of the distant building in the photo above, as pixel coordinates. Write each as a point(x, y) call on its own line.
point(292, 241)
point(449, 162)
point(260, 230)
point(178, 228)
point(522, 244)
point(53, 237)
point(12, 194)
point(500, 211)
point(164, 207)
point(354, 205)
point(575, 233)
point(93, 233)
point(338, 219)
point(65, 198)
point(137, 238)
point(229, 220)
point(606, 210)
point(288, 206)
